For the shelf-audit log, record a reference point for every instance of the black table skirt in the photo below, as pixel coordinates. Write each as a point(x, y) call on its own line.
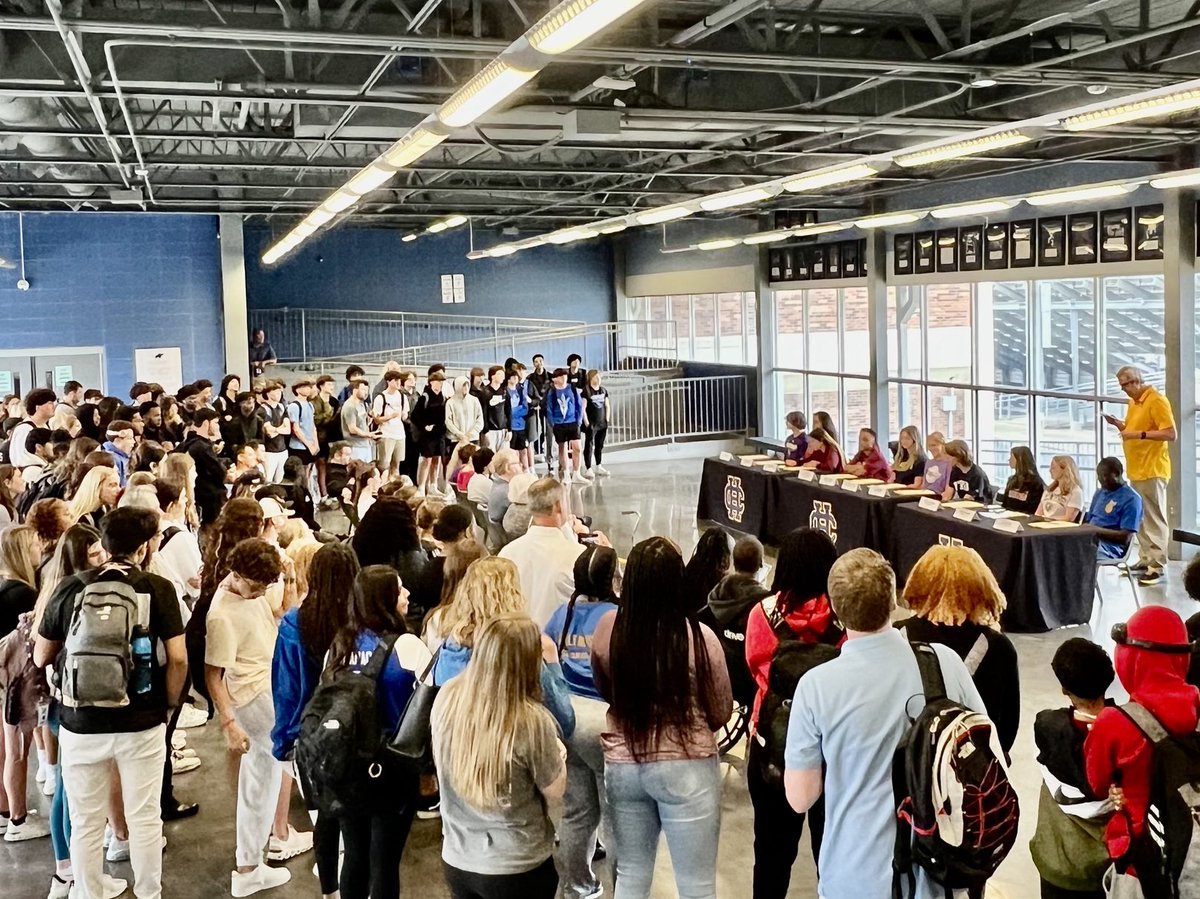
point(735, 496)
point(1048, 577)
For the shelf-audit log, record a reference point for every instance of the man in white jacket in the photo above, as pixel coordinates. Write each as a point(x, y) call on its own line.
point(464, 422)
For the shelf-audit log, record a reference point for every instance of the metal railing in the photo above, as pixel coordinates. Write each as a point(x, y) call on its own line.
point(678, 408)
point(303, 335)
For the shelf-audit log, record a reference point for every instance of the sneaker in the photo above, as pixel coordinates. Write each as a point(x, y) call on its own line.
point(1151, 579)
point(420, 492)
point(59, 888)
point(108, 835)
point(1134, 570)
point(588, 473)
point(184, 753)
point(577, 478)
point(261, 878)
point(191, 717)
point(431, 813)
point(602, 471)
point(50, 785)
point(40, 777)
point(181, 764)
point(34, 828)
point(118, 851)
point(178, 741)
point(297, 842)
point(450, 495)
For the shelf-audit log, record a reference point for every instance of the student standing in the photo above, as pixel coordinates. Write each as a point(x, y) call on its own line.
point(564, 412)
point(356, 422)
point(464, 424)
point(390, 411)
point(576, 376)
point(302, 442)
point(429, 424)
point(494, 399)
point(538, 382)
point(595, 427)
point(276, 429)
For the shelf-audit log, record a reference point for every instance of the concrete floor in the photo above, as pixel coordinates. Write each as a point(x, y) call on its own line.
point(641, 499)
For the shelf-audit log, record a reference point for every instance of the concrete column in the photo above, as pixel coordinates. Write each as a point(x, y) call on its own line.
point(764, 306)
point(876, 263)
point(1179, 301)
point(233, 299)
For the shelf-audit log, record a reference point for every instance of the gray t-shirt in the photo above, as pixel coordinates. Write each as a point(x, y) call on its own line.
point(355, 413)
point(516, 837)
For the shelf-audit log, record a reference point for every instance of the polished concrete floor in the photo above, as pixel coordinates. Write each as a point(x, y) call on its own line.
point(641, 499)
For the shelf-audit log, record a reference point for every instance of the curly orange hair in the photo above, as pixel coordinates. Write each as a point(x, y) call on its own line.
point(952, 585)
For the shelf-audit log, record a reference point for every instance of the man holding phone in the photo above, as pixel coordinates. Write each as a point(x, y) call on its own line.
point(1148, 427)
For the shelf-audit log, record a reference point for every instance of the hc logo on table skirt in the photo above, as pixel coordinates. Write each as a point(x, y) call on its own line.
point(947, 540)
point(822, 519)
point(735, 498)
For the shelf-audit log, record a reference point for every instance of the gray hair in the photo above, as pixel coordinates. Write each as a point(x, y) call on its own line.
point(1130, 370)
point(544, 496)
point(862, 590)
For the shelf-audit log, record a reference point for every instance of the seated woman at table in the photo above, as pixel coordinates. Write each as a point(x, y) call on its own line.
point(938, 465)
point(909, 464)
point(823, 453)
point(797, 441)
point(967, 480)
point(1023, 492)
point(1063, 499)
point(869, 461)
point(956, 601)
point(1116, 509)
point(823, 421)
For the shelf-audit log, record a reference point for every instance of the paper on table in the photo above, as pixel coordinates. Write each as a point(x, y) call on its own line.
point(864, 482)
point(754, 457)
point(914, 491)
point(839, 477)
point(1005, 514)
point(1052, 525)
point(963, 504)
point(893, 486)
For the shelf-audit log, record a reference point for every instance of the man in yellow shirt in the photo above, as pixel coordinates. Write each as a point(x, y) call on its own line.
point(1148, 427)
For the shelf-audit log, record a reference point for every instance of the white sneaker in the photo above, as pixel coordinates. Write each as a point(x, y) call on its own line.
point(185, 753)
point(118, 850)
point(178, 741)
point(430, 814)
point(588, 473)
point(182, 764)
point(602, 471)
point(191, 717)
point(50, 785)
point(108, 835)
point(261, 878)
point(420, 492)
point(34, 828)
point(40, 777)
point(578, 478)
point(59, 888)
point(450, 495)
point(297, 842)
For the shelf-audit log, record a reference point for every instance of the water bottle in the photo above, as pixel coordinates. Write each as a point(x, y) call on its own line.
point(140, 679)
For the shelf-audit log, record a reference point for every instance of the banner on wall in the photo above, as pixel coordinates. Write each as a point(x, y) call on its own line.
point(159, 365)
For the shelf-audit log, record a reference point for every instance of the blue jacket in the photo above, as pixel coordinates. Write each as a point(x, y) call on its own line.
point(564, 407)
point(555, 694)
point(518, 408)
point(576, 650)
point(119, 459)
point(294, 677)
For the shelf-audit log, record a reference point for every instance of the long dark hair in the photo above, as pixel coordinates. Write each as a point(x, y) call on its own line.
point(802, 568)
point(387, 530)
point(323, 613)
point(710, 562)
point(372, 608)
point(651, 675)
point(7, 500)
point(1026, 472)
point(88, 415)
point(147, 454)
point(595, 578)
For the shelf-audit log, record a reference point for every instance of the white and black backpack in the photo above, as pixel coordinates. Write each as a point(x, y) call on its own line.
point(97, 660)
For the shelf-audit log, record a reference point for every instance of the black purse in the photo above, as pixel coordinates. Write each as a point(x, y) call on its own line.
point(412, 744)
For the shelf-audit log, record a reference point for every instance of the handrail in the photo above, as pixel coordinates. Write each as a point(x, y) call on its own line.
point(679, 408)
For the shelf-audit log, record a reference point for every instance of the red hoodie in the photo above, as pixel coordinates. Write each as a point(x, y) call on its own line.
point(1116, 751)
point(810, 622)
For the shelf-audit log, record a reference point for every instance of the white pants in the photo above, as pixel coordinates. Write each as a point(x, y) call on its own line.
point(274, 467)
point(86, 774)
point(259, 780)
point(1155, 532)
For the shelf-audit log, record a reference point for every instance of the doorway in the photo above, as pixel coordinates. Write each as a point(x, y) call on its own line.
point(23, 370)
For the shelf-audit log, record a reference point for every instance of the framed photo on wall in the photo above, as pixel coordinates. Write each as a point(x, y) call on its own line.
point(775, 265)
point(995, 246)
point(947, 250)
point(850, 259)
point(970, 248)
point(833, 261)
point(902, 254)
point(1081, 238)
point(800, 263)
point(1052, 240)
point(789, 264)
point(926, 252)
point(816, 263)
point(1115, 232)
point(1023, 237)
point(1148, 232)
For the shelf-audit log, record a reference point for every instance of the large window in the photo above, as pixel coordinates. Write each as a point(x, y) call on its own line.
point(705, 327)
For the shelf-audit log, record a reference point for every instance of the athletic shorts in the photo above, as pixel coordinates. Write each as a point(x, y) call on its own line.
point(518, 441)
point(566, 433)
point(302, 454)
point(432, 447)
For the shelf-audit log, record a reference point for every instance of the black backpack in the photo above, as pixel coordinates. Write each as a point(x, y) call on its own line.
point(732, 635)
point(792, 660)
point(1167, 854)
point(48, 486)
point(957, 812)
point(341, 754)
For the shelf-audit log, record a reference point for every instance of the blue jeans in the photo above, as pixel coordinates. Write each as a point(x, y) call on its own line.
point(681, 799)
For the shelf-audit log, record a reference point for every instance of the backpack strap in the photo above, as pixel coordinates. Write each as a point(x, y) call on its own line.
point(1145, 722)
point(975, 657)
point(562, 638)
point(933, 685)
point(379, 657)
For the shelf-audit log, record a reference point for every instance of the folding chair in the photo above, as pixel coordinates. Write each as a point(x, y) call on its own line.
point(1121, 564)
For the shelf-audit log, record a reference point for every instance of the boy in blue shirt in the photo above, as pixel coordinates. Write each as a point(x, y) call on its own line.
point(1116, 509)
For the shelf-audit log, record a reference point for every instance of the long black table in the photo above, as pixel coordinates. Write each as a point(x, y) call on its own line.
point(1048, 576)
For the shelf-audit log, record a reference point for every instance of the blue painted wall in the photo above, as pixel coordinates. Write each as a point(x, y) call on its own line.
point(120, 281)
point(369, 268)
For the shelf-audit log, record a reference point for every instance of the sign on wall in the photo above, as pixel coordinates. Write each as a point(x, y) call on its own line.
point(62, 374)
point(159, 365)
point(454, 289)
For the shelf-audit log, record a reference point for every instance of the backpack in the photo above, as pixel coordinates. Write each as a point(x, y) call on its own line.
point(48, 486)
point(166, 536)
point(98, 655)
point(957, 812)
point(341, 753)
point(1167, 854)
point(732, 636)
point(792, 660)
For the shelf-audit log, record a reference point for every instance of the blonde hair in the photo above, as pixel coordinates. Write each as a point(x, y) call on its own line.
point(87, 497)
point(140, 496)
point(180, 470)
point(952, 585)
point(490, 587)
point(301, 553)
point(20, 553)
point(937, 437)
point(295, 530)
point(1069, 479)
point(906, 459)
point(489, 707)
point(140, 478)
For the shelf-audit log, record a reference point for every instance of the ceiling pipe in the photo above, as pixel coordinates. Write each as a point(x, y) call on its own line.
point(25, 116)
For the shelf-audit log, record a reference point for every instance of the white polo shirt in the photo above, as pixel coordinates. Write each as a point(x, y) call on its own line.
point(545, 559)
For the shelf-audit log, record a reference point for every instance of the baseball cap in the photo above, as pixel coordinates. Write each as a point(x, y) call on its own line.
point(272, 509)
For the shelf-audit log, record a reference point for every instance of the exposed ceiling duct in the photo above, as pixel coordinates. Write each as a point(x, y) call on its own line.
point(26, 112)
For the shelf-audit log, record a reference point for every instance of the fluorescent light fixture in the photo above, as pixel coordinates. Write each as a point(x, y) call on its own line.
point(411, 147)
point(611, 227)
point(735, 198)
point(983, 81)
point(452, 221)
point(767, 237)
point(437, 228)
point(569, 235)
point(340, 201)
point(1156, 107)
point(723, 244)
point(574, 21)
point(477, 254)
point(980, 207)
point(665, 214)
point(613, 83)
point(408, 238)
point(1189, 178)
point(506, 250)
point(1077, 195)
point(960, 148)
point(491, 86)
point(318, 217)
point(886, 220)
point(820, 228)
point(372, 177)
point(303, 230)
point(817, 180)
point(455, 220)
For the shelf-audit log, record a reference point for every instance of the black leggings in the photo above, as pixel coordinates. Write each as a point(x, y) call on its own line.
point(777, 831)
point(326, 849)
point(593, 441)
point(168, 785)
point(540, 883)
point(374, 845)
